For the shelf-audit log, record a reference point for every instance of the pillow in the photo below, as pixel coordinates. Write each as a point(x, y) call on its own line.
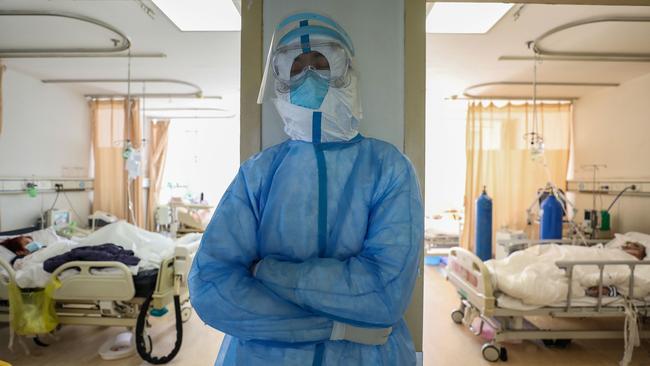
point(618, 241)
point(640, 238)
point(46, 236)
point(6, 254)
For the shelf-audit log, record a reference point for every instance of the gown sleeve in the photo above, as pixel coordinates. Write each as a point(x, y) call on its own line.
point(223, 291)
point(374, 287)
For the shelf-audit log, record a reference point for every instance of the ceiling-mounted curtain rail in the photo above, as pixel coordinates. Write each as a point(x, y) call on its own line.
point(151, 96)
point(566, 58)
point(166, 109)
point(120, 45)
point(190, 117)
point(194, 109)
point(89, 55)
point(467, 92)
point(197, 93)
point(547, 54)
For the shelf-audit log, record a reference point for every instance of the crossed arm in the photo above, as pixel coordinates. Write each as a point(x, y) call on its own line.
point(299, 302)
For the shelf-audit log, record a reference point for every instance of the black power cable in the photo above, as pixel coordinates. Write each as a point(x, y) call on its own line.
point(140, 343)
point(632, 187)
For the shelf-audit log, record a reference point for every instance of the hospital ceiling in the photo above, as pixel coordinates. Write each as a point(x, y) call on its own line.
point(209, 60)
point(458, 61)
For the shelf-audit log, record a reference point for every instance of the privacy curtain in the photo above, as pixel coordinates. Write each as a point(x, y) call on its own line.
point(156, 163)
point(499, 158)
point(134, 134)
point(109, 136)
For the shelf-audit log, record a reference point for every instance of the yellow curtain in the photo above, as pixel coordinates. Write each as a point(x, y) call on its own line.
point(109, 134)
point(135, 136)
point(159, 133)
point(499, 158)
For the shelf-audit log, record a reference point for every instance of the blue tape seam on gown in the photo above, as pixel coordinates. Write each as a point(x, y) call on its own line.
point(322, 206)
point(318, 354)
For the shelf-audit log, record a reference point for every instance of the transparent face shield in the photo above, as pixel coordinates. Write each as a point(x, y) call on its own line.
point(308, 49)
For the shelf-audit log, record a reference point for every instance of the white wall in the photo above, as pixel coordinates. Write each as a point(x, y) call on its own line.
point(612, 127)
point(377, 31)
point(45, 133)
point(445, 149)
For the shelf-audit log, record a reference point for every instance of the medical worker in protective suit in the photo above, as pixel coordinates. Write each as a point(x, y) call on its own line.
point(312, 255)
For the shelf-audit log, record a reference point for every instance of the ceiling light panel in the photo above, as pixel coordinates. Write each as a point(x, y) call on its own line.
point(201, 15)
point(465, 18)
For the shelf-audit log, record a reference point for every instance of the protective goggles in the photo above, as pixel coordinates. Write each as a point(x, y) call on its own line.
point(328, 60)
point(306, 44)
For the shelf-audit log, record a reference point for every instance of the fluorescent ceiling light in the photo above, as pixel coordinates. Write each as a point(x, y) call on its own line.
point(201, 15)
point(465, 17)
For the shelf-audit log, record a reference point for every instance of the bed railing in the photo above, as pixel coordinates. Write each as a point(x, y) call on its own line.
point(93, 287)
point(4, 282)
point(568, 266)
point(472, 278)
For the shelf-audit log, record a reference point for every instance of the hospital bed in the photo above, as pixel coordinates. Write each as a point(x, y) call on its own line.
point(480, 298)
point(118, 298)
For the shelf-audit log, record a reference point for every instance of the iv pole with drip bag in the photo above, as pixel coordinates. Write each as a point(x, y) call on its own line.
point(554, 207)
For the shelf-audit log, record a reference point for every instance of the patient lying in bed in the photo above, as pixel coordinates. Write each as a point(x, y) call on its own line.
point(532, 276)
point(151, 248)
point(634, 249)
point(21, 246)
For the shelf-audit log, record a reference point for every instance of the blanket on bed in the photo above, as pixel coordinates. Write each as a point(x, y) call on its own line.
point(150, 247)
point(532, 276)
point(105, 252)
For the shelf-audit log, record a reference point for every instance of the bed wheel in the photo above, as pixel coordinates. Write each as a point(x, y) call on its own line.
point(491, 353)
point(503, 354)
point(457, 316)
point(186, 313)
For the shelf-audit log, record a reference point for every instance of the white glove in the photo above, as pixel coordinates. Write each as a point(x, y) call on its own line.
point(367, 336)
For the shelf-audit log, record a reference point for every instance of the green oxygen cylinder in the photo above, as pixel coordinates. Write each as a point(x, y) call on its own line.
point(604, 220)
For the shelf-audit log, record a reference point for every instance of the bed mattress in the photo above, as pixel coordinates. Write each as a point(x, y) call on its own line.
point(507, 302)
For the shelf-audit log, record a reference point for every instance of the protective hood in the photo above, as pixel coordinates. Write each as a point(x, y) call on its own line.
point(314, 99)
point(340, 115)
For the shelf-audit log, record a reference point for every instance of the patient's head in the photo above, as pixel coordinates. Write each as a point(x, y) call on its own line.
point(634, 249)
point(18, 245)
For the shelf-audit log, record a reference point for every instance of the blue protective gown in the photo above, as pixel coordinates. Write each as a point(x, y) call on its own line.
point(356, 262)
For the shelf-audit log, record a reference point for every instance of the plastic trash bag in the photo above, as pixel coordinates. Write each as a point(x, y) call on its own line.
point(32, 312)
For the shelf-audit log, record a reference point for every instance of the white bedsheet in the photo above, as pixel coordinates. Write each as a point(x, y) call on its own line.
point(532, 277)
point(150, 247)
point(507, 302)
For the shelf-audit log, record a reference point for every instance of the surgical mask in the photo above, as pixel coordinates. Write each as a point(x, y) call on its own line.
point(341, 112)
point(33, 246)
point(311, 92)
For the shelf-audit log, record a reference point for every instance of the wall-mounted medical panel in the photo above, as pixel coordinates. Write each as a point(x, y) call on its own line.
point(610, 187)
point(21, 185)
